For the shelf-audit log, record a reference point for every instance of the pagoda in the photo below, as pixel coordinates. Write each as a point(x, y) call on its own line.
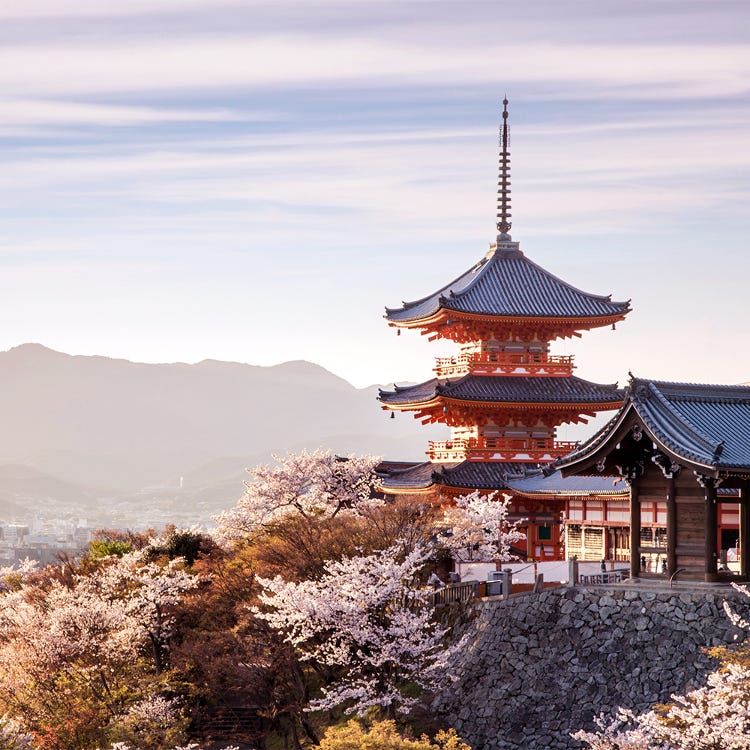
point(503, 394)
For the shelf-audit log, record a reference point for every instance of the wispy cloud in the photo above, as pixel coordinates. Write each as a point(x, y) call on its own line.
point(50, 112)
point(341, 155)
point(200, 62)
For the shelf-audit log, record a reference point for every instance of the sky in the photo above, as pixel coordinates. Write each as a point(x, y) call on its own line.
point(255, 181)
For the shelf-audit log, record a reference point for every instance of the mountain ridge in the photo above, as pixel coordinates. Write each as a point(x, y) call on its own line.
point(136, 428)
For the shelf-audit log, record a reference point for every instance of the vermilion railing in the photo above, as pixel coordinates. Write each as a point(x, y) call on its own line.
point(511, 449)
point(506, 362)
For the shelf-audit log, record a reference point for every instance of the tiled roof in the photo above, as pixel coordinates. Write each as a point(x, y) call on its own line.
point(556, 484)
point(471, 475)
point(495, 475)
point(507, 284)
point(708, 425)
point(502, 389)
point(483, 475)
point(410, 477)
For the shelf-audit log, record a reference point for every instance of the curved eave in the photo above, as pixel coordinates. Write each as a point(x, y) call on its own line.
point(555, 485)
point(508, 284)
point(606, 440)
point(693, 460)
point(439, 401)
point(398, 490)
point(589, 453)
point(444, 313)
point(615, 494)
point(462, 282)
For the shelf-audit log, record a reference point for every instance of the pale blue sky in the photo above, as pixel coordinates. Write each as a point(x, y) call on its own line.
point(255, 181)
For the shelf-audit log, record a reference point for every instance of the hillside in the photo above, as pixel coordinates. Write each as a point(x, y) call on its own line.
point(150, 430)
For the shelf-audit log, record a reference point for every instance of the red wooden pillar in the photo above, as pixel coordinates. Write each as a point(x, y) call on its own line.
point(530, 542)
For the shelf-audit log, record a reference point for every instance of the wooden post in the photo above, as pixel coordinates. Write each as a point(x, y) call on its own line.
point(635, 527)
point(530, 542)
point(572, 571)
point(671, 526)
point(507, 582)
point(745, 530)
point(711, 547)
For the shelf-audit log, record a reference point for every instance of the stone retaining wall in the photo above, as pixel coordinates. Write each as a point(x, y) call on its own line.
point(539, 666)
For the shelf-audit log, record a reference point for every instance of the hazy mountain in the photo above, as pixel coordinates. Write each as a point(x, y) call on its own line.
point(146, 430)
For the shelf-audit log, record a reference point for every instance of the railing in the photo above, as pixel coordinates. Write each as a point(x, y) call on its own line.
point(504, 363)
point(511, 449)
point(611, 576)
point(456, 593)
point(447, 450)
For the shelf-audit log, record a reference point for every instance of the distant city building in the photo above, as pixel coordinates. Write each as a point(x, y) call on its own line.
point(46, 545)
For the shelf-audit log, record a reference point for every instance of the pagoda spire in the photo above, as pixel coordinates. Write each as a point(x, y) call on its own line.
point(503, 182)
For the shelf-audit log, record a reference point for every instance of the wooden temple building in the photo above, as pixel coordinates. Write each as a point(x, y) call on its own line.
point(503, 395)
point(684, 451)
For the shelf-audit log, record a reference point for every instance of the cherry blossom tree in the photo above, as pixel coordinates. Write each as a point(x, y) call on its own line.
point(12, 736)
point(14, 576)
point(308, 484)
point(368, 621)
point(77, 657)
point(477, 528)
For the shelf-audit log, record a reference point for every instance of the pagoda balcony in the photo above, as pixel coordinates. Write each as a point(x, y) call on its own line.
point(537, 364)
point(537, 450)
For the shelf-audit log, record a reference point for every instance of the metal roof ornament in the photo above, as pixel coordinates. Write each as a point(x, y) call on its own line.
point(503, 183)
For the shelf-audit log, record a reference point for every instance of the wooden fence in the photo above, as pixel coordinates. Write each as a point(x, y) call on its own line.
point(610, 576)
point(456, 593)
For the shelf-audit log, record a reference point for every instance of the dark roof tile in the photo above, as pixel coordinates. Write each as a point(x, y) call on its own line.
point(507, 284)
point(510, 389)
point(523, 478)
point(707, 425)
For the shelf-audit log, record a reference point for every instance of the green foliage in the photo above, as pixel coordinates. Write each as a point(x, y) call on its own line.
point(186, 543)
point(384, 735)
point(99, 548)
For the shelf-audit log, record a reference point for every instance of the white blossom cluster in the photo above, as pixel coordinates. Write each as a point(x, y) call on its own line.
point(12, 735)
point(310, 484)
point(20, 572)
point(369, 615)
point(85, 629)
point(477, 528)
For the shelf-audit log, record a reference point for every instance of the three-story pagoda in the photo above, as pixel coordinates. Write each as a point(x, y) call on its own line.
point(503, 394)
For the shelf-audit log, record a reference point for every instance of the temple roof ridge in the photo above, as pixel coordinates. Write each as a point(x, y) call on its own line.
point(404, 304)
point(506, 388)
point(517, 477)
point(509, 284)
point(694, 391)
point(707, 425)
point(698, 436)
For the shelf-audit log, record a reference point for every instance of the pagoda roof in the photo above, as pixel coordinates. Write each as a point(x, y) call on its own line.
point(464, 474)
point(706, 426)
point(482, 475)
point(507, 284)
point(496, 475)
point(504, 389)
